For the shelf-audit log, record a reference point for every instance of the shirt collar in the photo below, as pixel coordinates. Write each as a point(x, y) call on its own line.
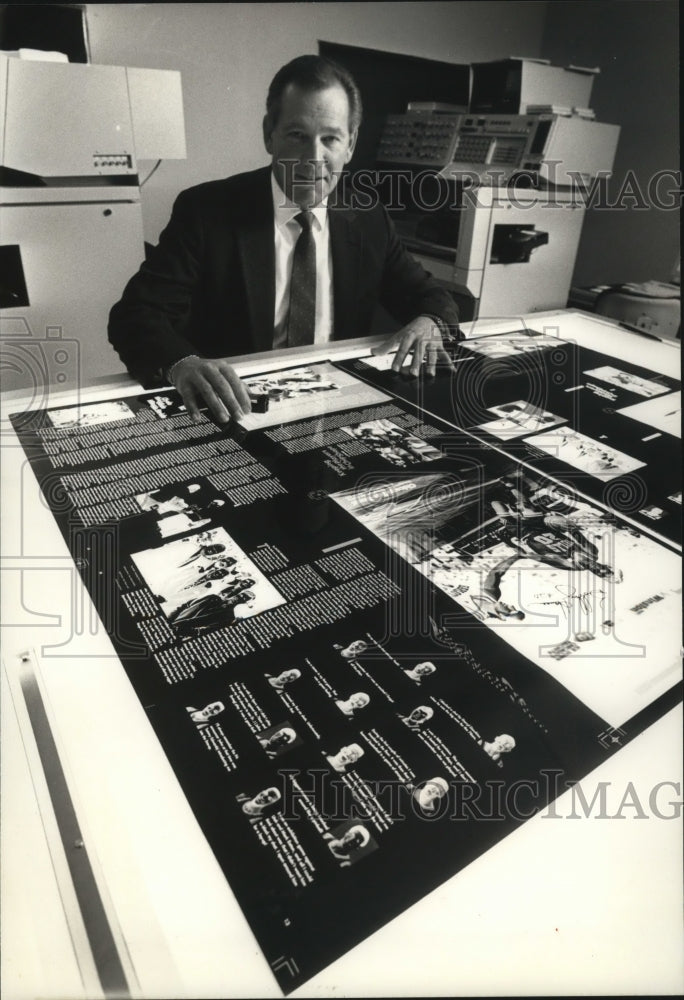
point(285, 210)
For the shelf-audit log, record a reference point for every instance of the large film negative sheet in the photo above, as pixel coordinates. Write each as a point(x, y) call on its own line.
point(605, 427)
point(370, 645)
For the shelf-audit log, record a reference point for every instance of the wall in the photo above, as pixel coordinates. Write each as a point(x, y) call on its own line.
point(228, 52)
point(635, 43)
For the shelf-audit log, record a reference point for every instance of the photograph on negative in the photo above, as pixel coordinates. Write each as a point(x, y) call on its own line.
point(303, 393)
point(205, 581)
point(663, 413)
point(518, 418)
point(391, 442)
point(509, 346)
point(596, 458)
point(89, 414)
point(625, 380)
point(279, 739)
point(349, 842)
point(181, 507)
point(290, 383)
point(585, 598)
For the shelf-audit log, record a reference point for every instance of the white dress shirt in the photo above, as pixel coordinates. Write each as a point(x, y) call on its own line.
point(286, 232)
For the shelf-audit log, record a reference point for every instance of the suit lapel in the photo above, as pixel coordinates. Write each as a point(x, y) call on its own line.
point(345, 244)
point(257, 253)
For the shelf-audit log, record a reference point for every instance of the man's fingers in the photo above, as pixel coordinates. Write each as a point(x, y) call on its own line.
point(446, 359)
point(421, 349)
point(223, 391)
point(190, 400)
point(418, 348)
point(194, 388)
point(385, 346)
point(215, 384)
point(405, 345)
point(239, 389)
point(431, 362)
point(220, 411)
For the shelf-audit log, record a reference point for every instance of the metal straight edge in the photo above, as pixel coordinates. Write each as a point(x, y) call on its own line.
point(105, 954)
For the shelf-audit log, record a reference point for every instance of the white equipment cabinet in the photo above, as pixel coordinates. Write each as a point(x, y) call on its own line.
point(71, 138)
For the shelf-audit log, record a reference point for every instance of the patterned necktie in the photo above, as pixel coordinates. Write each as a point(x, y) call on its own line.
point(301, 321)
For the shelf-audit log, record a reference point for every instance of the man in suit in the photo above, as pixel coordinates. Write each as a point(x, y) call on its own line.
point(268, 259)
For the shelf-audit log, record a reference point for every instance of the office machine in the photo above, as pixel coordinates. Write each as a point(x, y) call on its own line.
point(507, 255)
point(499, 254)
point(72, 137)
point(512, 86)
point(494, 202)
point(494, 149)
point(553, 150)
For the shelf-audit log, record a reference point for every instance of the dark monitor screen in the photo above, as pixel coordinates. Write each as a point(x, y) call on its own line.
point(52, 27)
point(496, 87)
point(388, 81)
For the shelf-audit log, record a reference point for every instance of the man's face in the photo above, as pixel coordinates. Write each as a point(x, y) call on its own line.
point(503, 744)
point(350, 754)
point(432, 792)
point(424, 669)
point(266, 797)
point(353, 838)
point(310, 143)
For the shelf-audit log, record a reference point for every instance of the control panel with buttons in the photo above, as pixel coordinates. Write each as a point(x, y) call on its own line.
point(494, 149)
point(419, 139)
point(107, 162)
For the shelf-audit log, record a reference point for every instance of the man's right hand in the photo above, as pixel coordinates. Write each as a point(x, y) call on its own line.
point(215, 383)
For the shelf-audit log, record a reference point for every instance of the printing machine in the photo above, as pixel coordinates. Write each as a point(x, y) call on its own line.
point(493, 202)
point(72, 137)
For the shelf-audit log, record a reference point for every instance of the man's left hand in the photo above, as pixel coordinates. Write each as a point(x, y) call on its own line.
point(422, 339)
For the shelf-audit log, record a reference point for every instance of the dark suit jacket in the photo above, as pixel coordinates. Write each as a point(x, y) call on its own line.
point(208, 288)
